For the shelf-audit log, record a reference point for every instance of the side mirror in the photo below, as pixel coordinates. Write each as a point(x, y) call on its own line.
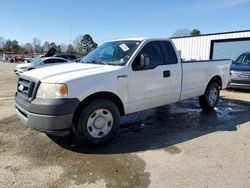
point(144, 61)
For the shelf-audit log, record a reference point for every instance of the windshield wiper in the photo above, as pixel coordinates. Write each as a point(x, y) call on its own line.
point(116, 64)
point(96, 62)
point(104, 63)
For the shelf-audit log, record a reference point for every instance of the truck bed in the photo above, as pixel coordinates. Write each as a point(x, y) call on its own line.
point(204, 61)
point(197, 74)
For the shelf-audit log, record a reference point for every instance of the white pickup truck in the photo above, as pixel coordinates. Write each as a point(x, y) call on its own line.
point(118, 78)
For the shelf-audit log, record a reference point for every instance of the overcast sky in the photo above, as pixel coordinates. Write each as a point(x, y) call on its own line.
point(61, 21)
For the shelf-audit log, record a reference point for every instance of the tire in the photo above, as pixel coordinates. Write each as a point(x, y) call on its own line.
point(31, 69)
point(97, 122)
point(210, 99)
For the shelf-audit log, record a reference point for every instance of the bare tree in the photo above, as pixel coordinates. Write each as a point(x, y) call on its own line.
point(37, 45)
point(45, 46)
point(70, 49)
point(28, 47)
point(182, 33)
point(77, 44)
point(64, 47)
point(1, 42)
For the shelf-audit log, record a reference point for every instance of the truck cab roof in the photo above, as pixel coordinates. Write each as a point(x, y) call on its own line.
point(139, 39)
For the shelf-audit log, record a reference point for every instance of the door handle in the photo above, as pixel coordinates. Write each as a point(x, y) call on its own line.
point(122, 76)
point(166, 73)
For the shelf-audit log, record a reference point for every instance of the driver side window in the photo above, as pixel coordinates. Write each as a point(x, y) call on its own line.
point(247, 60)
point(240, 59)
point(48, 61)
point(155, 53)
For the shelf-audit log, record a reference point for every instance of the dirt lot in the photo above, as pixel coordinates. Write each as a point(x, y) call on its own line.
point(173, 146)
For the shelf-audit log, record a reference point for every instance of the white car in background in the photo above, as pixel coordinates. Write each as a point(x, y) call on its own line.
point(40, 62)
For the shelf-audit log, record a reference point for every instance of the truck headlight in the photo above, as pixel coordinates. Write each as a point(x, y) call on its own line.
point(52, 91)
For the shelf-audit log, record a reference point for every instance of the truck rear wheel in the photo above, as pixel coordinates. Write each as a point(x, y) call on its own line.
point(98, 122)
point(211, 97)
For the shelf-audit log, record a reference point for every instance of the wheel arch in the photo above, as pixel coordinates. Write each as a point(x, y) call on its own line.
point(99, 95)
point(32, 68)
point(217, 79)
point(204, 99)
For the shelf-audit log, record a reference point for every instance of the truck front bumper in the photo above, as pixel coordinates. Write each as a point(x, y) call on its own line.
point(50, 116)
point(239, 84)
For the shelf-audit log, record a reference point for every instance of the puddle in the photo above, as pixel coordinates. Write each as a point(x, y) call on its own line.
point(172, 150)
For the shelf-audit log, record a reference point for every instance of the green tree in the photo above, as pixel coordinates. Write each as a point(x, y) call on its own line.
point(7, 46)
point(12, 46)
point(52, 45)
point(195, 32)
point(21, 49)
point(15, 46)
point(88, 44)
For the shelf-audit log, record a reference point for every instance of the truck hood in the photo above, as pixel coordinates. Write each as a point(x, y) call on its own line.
point(65, 72)
point(240, 67)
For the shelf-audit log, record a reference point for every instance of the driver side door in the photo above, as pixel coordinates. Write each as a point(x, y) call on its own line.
point(149, 86)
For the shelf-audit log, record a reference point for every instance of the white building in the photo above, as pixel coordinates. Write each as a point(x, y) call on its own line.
point(227, 45)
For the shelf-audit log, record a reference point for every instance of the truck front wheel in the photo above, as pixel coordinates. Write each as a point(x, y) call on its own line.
point(211, 97)
point(98, 122)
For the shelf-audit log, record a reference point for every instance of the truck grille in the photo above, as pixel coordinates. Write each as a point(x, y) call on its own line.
point(240, 75)
point(245, 75)
point(25, 88)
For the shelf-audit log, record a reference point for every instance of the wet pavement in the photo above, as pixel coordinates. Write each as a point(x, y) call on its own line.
point(115, 161)
point(32, 159)
point(168, 125)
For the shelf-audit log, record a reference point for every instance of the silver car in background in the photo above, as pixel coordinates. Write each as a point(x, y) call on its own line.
point(40, 62)
point(240, 72)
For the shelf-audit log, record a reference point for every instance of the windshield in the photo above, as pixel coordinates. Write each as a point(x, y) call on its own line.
point(112, 53)
point(243, 59)
point(36, 61)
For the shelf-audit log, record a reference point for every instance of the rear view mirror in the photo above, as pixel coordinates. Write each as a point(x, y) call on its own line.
point(144, 61)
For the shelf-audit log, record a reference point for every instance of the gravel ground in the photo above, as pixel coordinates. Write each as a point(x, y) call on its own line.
point(173, 146)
